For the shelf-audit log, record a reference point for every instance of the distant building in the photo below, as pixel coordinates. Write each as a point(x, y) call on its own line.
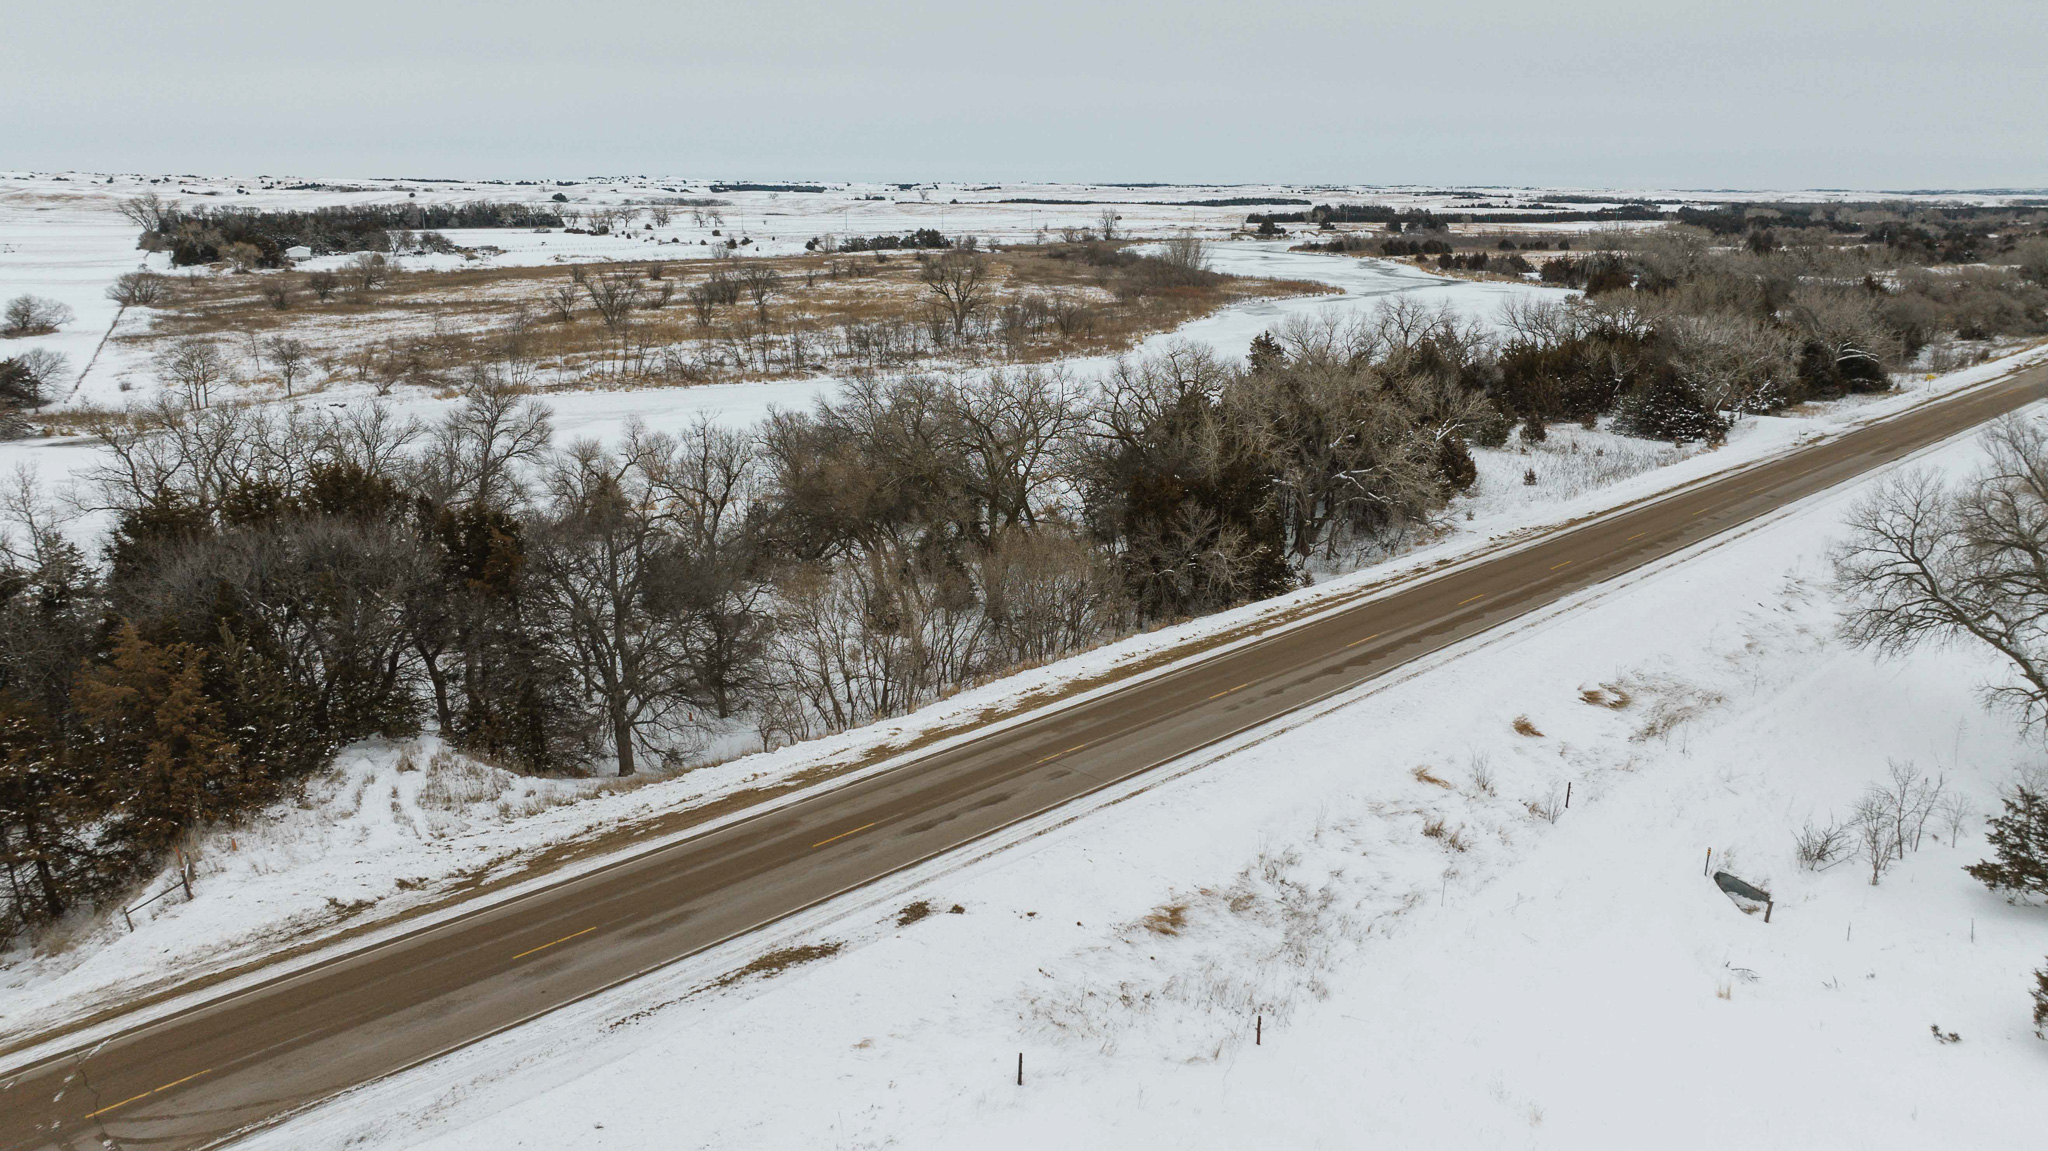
point(298, 252)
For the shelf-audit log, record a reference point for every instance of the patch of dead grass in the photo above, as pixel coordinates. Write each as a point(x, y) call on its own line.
point(1166, 919)
point(1608, 696)
point(780, 960)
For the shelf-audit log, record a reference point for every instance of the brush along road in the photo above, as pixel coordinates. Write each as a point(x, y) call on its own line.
point(198, 1077)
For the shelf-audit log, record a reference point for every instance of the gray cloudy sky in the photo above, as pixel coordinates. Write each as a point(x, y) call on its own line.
point(1706, 93)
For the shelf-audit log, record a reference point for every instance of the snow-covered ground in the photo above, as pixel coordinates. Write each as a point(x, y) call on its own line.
point(1390, 895)
point(374, 848)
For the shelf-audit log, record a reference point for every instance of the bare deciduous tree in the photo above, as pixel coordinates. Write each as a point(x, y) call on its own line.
point(959, 281)
point(147, 211)
point(614, 295)
point(138, 289)
point(367, 272)
point(761, 284)
point(477, 451)
point(1927, 562)
point(30, 315)
point(561, 299)
point(290, 357)
point(194, 366)
point(612, 586)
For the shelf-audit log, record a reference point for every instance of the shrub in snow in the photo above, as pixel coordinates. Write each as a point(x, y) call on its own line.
point(1820, 846)
point(2019, 839)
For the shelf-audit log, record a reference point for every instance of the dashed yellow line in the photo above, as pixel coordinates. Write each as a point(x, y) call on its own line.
point(1637, 536)
point(1463, 602)
point(147, 1094)
point(1221, 694)
point(1554, 567)
point(1047, 759)
point(545, 946)
point(1356, 642)
point(843, 834)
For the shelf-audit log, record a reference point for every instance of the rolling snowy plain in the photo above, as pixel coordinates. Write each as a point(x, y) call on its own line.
point(1377, 891)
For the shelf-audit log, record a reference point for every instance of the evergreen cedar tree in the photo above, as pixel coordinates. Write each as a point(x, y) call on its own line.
point(2019, 840)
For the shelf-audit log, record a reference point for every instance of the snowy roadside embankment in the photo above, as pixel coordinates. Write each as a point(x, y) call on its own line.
point(1391, 894)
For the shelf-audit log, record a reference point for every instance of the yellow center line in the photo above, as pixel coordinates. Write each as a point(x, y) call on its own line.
point(1637, 536)
point(147, 1094)
point(1554, 567)
point(1702, 511)
point(1356, 642)
point(545, 946)
point(1221, 694)
point(1463, 602)
point(1047, 759)
point(844, 834)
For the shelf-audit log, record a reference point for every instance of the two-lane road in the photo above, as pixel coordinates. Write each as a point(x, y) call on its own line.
point(200, 1076)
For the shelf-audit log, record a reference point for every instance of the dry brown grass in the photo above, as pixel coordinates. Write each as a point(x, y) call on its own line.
point(780, 960)
point(446, 318)
point(1608, 696)
point(1166, 919)
point(1524, 727)
point(1422, 775)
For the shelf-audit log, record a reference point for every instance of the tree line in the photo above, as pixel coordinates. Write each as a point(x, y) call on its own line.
point(205, 234)
point(276, 583)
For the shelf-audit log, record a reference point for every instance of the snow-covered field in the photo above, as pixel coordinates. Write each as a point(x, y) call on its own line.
point(1379, 925)
point(66, 241)
point(1548, 994)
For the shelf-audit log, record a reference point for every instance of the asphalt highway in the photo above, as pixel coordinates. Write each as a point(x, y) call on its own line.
point(202, 1075)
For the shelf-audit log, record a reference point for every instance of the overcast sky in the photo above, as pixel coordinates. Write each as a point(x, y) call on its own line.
point(1890, 94)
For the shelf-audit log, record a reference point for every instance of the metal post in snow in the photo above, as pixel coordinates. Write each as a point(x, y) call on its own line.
point(1259, 1032)
point(1567, 794)
point(1709, 863)
point(1768, 904)
point(1020, 1069)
